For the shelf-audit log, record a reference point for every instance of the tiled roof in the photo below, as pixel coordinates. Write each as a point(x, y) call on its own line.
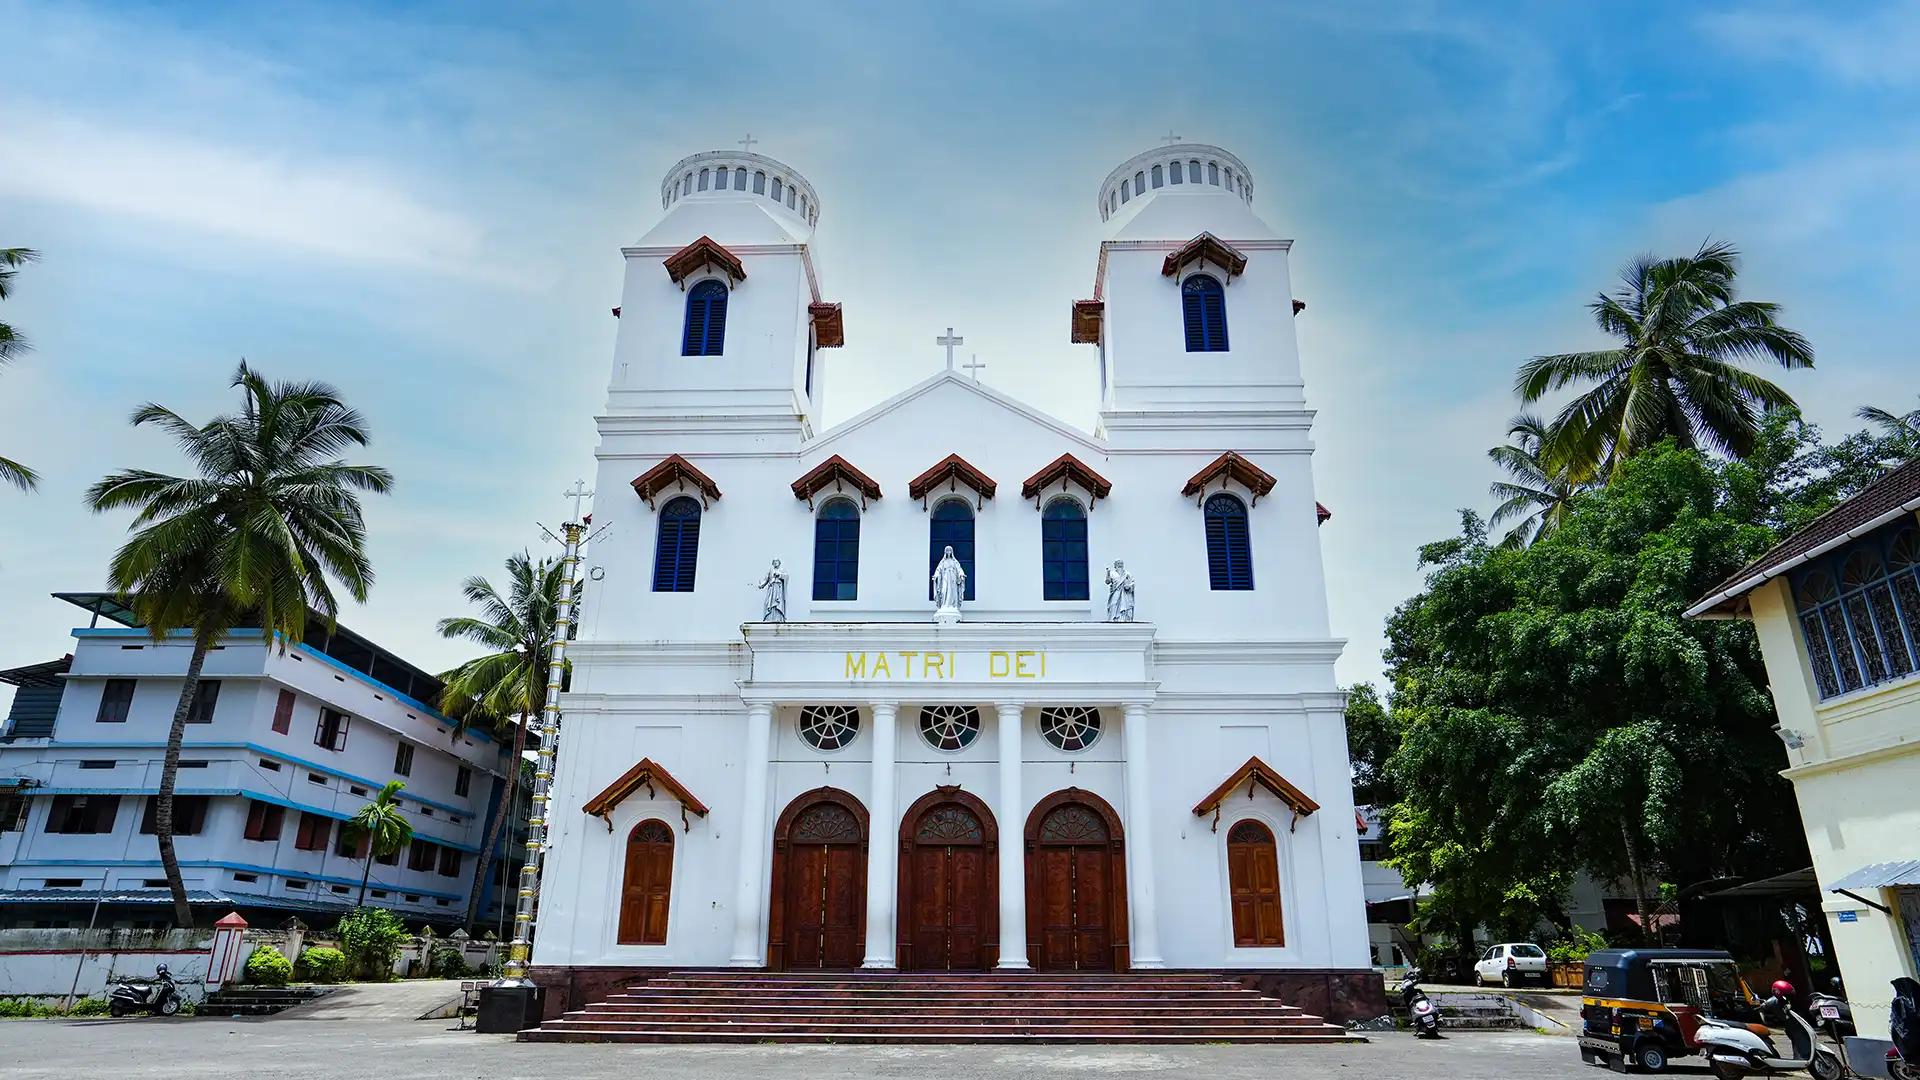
point(646, 773)
point(951, 468)
point(829, 325)
point(1206, 247)
point(1258, 772)
point(1063, 468)
point(673, 470)
point(835, 471)
point(703, 252)
point(1087, 315)
point(1235, 468)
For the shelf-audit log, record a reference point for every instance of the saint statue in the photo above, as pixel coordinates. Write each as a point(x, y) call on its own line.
point(949, 588)
point(774, 606)
point(1119, 593)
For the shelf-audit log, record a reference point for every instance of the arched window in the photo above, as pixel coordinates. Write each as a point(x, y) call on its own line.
point(1159, 176)
point(952, 524)
point(779, 190)
point(686, 184)
point(1063, 550)
point(647, 890)
point(1213, 173)
point(1203, 303)
point(1229, 553)
point(739, 179)
point(1193, 171)
point(1126, 190)
point(1859, 612)
point(759, 183)
point(706, 332)
point(1253, 876)
point(720, 178)
point(706, 176)
point(790, 195)
point(679, 545)
point(836, 552)
point(1177, 173)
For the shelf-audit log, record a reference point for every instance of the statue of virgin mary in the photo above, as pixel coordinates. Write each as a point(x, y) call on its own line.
point(949, 588)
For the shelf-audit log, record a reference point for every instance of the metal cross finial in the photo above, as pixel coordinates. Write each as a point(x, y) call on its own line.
point(747, 143)
point(578, 492)
point(1169, 138)
point(974, 367)
point(949, 341)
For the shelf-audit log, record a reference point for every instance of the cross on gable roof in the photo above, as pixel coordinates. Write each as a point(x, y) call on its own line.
point(834, 472)
point(1209, 248)
point(1065, 468)
point(644, 774)
point(1256, 773)
point(700, 254)
point(674, 470)
point(1233, 467)
point(952, 468)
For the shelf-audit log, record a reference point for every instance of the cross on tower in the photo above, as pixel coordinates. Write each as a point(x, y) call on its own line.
point(974, 367)
point(1169, 138)
point(747, 143)
point(949, 341)
point(577, 493)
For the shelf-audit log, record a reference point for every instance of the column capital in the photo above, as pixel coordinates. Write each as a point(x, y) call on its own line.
point(888, 704)
point(755, 704)
point(1132, 709)
point(1005, 707)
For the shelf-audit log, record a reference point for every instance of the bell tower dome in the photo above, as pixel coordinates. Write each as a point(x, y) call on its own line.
point(721, 317)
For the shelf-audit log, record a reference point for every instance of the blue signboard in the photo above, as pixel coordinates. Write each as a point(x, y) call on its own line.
point(1849, 916)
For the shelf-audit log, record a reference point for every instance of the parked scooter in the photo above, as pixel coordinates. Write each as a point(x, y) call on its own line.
point(158, 996)
point(1903, 1058)
point(1420, 1009)
point(1735, 1051)
point(1833, 1019)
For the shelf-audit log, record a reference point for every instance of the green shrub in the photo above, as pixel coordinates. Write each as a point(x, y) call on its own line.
point(321, 964)
point(266, 967)
point(19, 1008)
point(372, 939)
point(91, 1006)
point(1575, 944)
point(446, 962)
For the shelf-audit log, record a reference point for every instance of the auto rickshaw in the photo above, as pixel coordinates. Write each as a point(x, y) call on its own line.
point(1641, 1008)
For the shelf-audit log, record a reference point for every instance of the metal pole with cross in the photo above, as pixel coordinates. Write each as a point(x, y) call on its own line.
point(974, 365)
point(949, 341)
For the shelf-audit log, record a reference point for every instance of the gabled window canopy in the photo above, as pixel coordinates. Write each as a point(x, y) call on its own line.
point(1206, 248)
point(645, 774)
point(672, 472)
point(1257, 773)
point(1321, 515)
point(1087, 316)
point(1231, 466)
point(829, 332)
point(1063, 470)
point(952, 471)
point(699, 255)
point(836, 473)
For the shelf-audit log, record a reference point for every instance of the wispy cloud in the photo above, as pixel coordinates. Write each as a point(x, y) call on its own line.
point(1869, 43)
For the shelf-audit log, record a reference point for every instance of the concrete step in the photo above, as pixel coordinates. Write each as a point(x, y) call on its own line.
point(549, 1034)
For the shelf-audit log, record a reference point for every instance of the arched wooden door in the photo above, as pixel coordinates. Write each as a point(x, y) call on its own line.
point(818, 918)
point(647, 888)
point(1253, 874)
point(949, 900)
point(1076, 884)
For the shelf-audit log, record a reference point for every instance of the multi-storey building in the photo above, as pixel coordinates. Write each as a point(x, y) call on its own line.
point(282, 747)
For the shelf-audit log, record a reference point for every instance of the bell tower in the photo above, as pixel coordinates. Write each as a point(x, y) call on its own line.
point(721, 319)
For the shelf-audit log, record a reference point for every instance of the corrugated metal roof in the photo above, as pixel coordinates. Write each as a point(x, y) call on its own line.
point(197, 897)
point(1884, 875)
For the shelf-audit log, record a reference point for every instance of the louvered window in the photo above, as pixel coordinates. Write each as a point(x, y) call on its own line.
point(679, 547)
point(706, 333)
point(1204, 303)
point(836, 552)
point(1229, 554)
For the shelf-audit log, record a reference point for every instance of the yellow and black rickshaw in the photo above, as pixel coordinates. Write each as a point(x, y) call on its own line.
point(1641, 1008)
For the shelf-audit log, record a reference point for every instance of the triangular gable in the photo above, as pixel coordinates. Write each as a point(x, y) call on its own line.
point(836, 471)
point(940, 380)
point(1256, 773)
point(700, 254)
point(952, 469)
point(674, 470)
point(1206, 248)
point(1066, 468)
point(645, 774)
point(1235, 468)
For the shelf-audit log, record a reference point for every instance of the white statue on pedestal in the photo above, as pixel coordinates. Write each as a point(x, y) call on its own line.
point(949, 588)
point(774, 605)
point(1119, 593)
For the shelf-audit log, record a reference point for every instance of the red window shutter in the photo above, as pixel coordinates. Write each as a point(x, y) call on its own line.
point(283, 713)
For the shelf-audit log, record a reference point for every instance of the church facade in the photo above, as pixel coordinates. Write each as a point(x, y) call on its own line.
point(1014, 695)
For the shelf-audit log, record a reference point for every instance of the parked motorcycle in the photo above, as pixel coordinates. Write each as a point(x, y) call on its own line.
point(1420, 1009)
point(159, 995)
point(1903, 1058)
point(1735, 1051)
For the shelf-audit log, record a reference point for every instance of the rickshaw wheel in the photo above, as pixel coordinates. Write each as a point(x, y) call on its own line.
point(1652, 1059)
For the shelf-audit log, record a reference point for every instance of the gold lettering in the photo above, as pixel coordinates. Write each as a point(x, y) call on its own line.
point(933, 665)
point(906, 664)
point(880, 668)
point(856, 665)
point(1043, 663)
point(953, 667)
point(999, 665)
point(1020, 664)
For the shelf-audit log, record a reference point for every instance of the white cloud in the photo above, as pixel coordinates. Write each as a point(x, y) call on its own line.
point(1878, 47)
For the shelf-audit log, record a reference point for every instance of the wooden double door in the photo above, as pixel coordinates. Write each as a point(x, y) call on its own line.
point(949, 902)
point(1076, 885)
point(819, 914)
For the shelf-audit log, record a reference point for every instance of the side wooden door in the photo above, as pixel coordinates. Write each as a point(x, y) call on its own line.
point(1253, 875)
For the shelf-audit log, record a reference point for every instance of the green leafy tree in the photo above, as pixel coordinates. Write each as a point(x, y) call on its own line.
point(372, 939)
point(1901, 430)
point(384, 828)
point(503, 687)
point(1371, 741)
point(12, 344)
point(1537, 497)
point(254, 537)
point(1676, 373)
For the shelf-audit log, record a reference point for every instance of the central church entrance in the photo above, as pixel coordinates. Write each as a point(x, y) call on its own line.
point(1076, 884)
point(818, 919)
point(949, 902)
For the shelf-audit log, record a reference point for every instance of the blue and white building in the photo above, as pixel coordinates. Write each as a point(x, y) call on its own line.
point(281, 750)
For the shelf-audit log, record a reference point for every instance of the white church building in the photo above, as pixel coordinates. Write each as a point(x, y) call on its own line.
point(1071, 764)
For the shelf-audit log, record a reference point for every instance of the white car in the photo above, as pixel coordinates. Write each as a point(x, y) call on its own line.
point(1511, 965)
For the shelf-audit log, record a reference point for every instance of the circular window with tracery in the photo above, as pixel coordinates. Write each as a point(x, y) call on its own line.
point(949, 727)
point(1071, 728)
point(829, 727)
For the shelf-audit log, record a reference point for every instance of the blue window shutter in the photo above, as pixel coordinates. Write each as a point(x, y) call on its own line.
point(678, 550)
point(1203, 305)
point(706, 330)
point(1229, 552)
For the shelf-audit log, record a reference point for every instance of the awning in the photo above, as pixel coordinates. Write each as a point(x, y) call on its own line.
point(644, 774)
point(1791, 884)
point(1884, 875)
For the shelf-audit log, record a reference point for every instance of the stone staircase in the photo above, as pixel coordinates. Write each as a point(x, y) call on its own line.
point(258, 1000)
point(932, 1009)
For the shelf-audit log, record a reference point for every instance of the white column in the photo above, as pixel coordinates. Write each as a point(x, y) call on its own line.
point(882, 849)
point(1145, 917)
point(1013, 830)
point(750, 888)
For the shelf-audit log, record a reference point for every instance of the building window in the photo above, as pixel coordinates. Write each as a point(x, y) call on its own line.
point(836, 551)
point(1859, 613)
point(189, 815)
point(350, 843)
point(1175, 170)
point(949, 728)
point(390, 858)
point(1213, 173)
point(331, 732)
point(647, 890)
point(951, 526)
point(450, 862)
point(264, 821)
point(779, 190)
point(1253, 875)
point(678, 548)
point(1140, 183)
point(1063, 550)
point(312, 833)
point(283, 713)
point(1203, 304)
point(1070, 728)
point(1159, 176)
point(706, 175)
point(462, 781)
point(1126, 191)
point(403, 759)
point(790, 195)
point(420, 855)
point(82, 814)
point(759, 183)
point(1193, 171)
point(829, 727)
point(706, 329)
point(206, 694)
point(739, 179)
point(13, 811)
point(720, 178)
point(116, 700)
point(1229, 553)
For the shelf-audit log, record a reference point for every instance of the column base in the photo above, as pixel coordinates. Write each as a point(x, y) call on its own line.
point(1017, 964)
point(745, 962)
point(1147, 963)
point(879, 965)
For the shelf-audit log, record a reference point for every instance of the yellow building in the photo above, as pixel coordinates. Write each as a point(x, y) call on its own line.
point(1837, 609)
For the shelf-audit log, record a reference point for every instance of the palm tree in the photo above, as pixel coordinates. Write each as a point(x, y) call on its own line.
point(383, 825)
point(504, 686)
point(251, 539)
point(1676, 373)
point(1538, 497)
point(11, 346)
point(1903, 429)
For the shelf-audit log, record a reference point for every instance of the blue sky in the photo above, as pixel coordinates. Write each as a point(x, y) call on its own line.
point(423, 204)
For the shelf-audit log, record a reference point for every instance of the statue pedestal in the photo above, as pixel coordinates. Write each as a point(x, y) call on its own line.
point(946, 616)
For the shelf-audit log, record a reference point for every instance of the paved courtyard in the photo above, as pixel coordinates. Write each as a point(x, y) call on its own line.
point(300, 1049)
